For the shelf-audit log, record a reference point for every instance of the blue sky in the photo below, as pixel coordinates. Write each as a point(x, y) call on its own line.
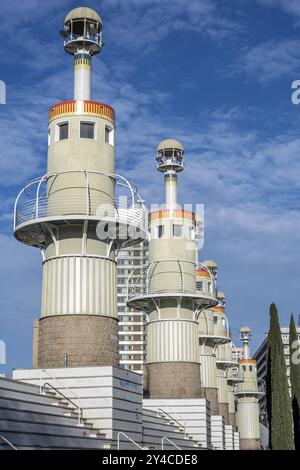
point(214, 74)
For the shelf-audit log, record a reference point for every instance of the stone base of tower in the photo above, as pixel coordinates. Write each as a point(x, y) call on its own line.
point(224, 411)
point(250, 444)
point(76, 341)
point(232, 420)
point(211, 394)
point(173, 380)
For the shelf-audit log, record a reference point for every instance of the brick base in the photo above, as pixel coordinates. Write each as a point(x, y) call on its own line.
point(250, 444)
point(174, 380)
point(224, 411)
point(88, 340)
point(211, 394)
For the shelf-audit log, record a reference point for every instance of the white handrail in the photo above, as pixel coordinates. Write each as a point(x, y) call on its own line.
point(129, 438)
point(164, 438)
point(8, 442)
point(64, 387)
point(119, 180)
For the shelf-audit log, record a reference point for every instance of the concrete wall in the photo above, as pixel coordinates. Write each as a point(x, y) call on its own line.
point(110, 397)
point(193, 414)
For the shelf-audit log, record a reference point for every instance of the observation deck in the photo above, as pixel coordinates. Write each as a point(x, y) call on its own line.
point(146, 289)
point(46, 203)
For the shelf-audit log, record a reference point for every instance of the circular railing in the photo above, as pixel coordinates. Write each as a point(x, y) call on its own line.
point(177, 278)
point(41, 199)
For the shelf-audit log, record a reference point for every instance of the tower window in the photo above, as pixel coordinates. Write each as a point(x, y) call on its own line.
point(160, 231)
point(199, 285)
point(49, 137)
point(177, 231)
point(109, 135)
point(63, 131)
point(87, 130)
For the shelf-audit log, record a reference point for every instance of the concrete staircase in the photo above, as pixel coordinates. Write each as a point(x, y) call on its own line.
point(29, 420)
point(158, 425)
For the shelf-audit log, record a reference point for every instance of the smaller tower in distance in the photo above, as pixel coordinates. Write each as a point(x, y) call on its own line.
point(248, 396)
point(169, 160)
point(245, 335)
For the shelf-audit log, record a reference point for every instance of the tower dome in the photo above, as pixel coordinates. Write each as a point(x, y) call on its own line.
point(169, 156)
point(169, 144)
point(82, 31)
point(82, 13)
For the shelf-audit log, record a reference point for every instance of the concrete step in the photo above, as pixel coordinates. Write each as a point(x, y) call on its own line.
point(51, 441)
point(45, 428)
point(33, 417)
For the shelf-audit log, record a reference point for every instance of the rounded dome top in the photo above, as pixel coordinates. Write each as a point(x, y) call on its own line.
point(169, 144)
point(83, 13)
point(245, 329)
point(209, 263)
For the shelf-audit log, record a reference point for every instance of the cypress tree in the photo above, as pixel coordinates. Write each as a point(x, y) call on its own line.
point(295, 381)
point(278, 399)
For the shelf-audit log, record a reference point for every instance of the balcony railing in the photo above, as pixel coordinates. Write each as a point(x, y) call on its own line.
point(167, 277)
point(78, 195)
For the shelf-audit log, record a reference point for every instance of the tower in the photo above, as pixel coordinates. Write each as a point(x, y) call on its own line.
point(248, 398)
point(170, 297)
point(208, 337)
point(79, 214)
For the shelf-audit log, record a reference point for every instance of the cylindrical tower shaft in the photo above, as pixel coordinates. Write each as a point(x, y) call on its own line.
point(171, 190)
point(82, 76)
point(170, 299)
point(73, 215)
point(248, 399)
point(172, 342)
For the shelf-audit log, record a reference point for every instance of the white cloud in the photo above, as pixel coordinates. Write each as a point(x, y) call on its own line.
point(271, 60)
point(289, 6)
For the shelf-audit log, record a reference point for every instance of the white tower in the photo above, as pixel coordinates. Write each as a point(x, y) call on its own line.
point(74, 215)
point(248, 398)
point(170, 297)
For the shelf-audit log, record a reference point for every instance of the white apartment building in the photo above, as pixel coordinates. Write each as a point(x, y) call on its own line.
point(132, 323)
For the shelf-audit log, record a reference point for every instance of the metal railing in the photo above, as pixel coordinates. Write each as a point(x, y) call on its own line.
point(53, 195)
point(164, 438)
point(8, 442)
point(129, 439)
point(177, 276)
point(63, 387)
point(173, 419)
point(47, 384)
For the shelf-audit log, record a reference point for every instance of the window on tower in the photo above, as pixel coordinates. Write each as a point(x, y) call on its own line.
point(177, 231)
point(63, 131)
point(109, 135)
point(160, 231)
point(87, 130)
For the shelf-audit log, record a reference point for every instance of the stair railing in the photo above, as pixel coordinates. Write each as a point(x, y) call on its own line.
point(129, 439)
point(79, 410)
point(173, 419)
point(164, 438)
point(8, 442)
point(60, 386)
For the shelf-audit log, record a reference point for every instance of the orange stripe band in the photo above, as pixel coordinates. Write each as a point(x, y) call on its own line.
point(91, 108)
point(202, 273)
point(218, 309)
point(248, 361)
point(172, 213)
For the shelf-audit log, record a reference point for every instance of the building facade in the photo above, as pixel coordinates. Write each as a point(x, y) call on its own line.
point(261, 360)
point(131, 265)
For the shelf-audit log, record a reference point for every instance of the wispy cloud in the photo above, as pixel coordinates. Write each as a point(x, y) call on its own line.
point(271, 60)
point(289, 6)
